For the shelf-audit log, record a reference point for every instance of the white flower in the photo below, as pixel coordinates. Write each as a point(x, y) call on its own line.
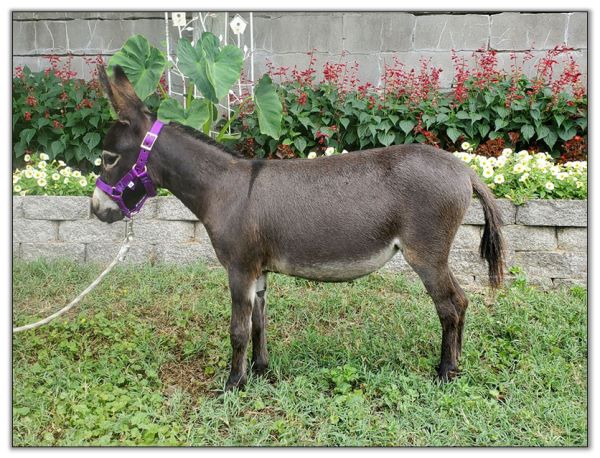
point(76, 174)
point(524, 177)
point(98, 161)
point(41, 182)
point(501, 161)
point(43, 174)
point(488, 172)
point(83, 182)
point(499, 179)
point(465, 145)
point(36, 174)
point(561, 176)
point(312, 155)
point(466, 157)
point(506, 152)
point(66, 181)
point(578, 184)
point(55, 176)
point(61, 163)
point(549, 185)
point(482, 161)
point(28, 167)
point(17, 188)
point(541, 163)
point(16, 178)
point(22, 193)
point(518, 168)
point(42, 164)
point(344, 151)
point(491, 161)
point(28, 173)
point(27, 158)
point(44, 157)
point(329, 151)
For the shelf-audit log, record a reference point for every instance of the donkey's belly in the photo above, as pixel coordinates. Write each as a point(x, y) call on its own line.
point(341, 269)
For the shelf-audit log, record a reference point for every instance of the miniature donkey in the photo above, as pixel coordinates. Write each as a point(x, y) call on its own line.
point(330, 219)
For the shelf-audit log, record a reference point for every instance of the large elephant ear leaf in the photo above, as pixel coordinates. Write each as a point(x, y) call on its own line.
point(143, 64)
point(268, 107)
point(213, 70)
point(196, 116)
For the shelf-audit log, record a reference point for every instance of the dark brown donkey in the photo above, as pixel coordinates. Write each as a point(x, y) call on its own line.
point(330, 219)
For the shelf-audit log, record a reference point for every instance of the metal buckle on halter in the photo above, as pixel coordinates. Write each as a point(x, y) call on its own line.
point(148, 141)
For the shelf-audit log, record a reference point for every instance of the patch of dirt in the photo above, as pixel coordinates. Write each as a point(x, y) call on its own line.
point(187, 375)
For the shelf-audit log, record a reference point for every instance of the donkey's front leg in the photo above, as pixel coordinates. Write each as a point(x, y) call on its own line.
point(243, 290)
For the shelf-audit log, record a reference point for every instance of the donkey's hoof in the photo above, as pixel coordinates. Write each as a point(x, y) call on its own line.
point(235, 382)
point(260, 369)
point(445, 375)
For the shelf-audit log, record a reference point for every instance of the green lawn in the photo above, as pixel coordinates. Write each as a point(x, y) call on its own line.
point(143, 358)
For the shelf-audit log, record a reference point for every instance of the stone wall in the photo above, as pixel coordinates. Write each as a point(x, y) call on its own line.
point(547, 239)
point(370, 38)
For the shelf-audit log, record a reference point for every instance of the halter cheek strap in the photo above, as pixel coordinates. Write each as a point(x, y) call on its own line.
point(138, 173)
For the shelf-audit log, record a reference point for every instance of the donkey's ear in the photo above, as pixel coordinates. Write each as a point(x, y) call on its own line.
point(121, 93)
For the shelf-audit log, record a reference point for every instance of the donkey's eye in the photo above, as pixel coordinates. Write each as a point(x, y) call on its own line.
point(109, 159)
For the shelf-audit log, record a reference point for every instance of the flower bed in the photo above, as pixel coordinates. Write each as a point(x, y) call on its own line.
point(489, 107)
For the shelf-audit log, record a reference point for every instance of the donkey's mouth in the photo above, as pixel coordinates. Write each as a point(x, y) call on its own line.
point(104, 208)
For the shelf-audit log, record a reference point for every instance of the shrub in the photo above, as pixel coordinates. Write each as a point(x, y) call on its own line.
point(485, 104)
point(58, 114)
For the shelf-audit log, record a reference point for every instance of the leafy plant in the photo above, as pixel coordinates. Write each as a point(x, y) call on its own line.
point(55, 113)
point(212, 69)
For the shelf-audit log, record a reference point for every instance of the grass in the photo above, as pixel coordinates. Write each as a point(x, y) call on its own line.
point(141, 362)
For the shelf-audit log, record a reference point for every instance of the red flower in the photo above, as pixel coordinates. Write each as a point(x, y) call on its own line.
point(27, 116)
point(31, 101)
point(57, 125)
point(303, 98)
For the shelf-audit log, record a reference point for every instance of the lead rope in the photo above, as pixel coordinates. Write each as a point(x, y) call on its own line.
point(119, 258)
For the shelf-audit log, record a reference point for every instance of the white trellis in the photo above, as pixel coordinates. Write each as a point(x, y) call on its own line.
point(237, 31)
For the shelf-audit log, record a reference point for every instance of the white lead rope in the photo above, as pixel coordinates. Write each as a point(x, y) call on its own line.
point(120, 257)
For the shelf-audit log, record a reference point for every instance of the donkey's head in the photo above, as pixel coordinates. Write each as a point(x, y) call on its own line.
point(121, 144)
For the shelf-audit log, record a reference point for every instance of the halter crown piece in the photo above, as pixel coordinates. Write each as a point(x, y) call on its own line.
point(136, 176)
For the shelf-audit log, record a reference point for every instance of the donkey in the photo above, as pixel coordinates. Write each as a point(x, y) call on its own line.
point(332, 219)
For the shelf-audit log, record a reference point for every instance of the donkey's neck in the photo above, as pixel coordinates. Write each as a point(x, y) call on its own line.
point(193, 170)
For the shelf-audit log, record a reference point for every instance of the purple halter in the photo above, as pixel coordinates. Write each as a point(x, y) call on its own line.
point(138, 175)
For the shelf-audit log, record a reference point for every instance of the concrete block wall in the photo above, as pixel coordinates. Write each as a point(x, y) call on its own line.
point(546, 238)
point(370, 38)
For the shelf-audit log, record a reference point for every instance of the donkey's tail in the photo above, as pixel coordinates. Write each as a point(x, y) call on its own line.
point(492, 244)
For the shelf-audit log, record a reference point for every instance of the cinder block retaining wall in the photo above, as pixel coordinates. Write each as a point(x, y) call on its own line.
point(546, 238)
point(370, 38)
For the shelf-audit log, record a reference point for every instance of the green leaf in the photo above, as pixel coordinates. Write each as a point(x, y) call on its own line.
point(143, 64)
point(195, 116)
point(527, 130)
point(268, 107)
point(57, 147)
point(441, 118)
point(453, 134)
point(386, 138)
point(559, 119)
point(345, 121)
point(300, 144)
point(407, 125)
point(27, 134)
point(550, 139)
point(394, 118)
point(212, 70)
point(500, 123)
point(483, 129)
point(462, 115)
point(542, 132)
point(502, 111)
point(91, 139)
point(567, 134)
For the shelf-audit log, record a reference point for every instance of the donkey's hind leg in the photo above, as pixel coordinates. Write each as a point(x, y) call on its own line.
point(438, 280)
point(260, 355)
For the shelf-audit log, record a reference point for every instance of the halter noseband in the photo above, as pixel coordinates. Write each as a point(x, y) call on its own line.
point(136, 176)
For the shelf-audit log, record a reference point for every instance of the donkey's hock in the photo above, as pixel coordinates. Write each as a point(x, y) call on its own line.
point(331, 219)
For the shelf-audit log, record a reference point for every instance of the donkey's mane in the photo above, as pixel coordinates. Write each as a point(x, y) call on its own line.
point(205, 139)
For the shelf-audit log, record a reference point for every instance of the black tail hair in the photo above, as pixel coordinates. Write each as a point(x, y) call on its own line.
point(492, 243)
